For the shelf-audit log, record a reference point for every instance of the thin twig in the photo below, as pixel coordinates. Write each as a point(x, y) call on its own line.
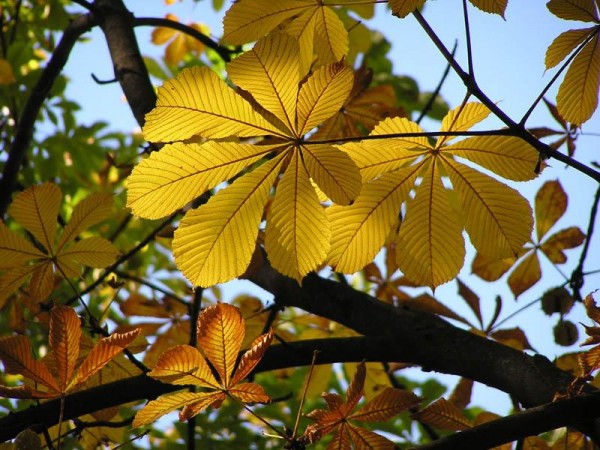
point(223, 52)
point(39, 93)
point(151, 285)
point(468, 38)
point(515, 129)
point(577, 276)
point(553, 80)
point(437, 89)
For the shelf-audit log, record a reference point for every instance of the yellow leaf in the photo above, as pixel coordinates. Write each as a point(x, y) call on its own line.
point(387, 404)
point(15, 354)
point(550, 205)
point(491, 6)
point(430, 242)
point(165, 404)
point(526, 274)
point(220, 334)
point(322, 95)
point(270, 71)
point(14, 249)
point(331, 37)
point(105, 350)
point(93, 252)
point(162, 35)
point(64, 337)
point(249, 20)
point(208, 237)
point(577, 97)
point(461, 119)
point(333, 171)
point(7, 75)
point(179, 173)
point(183, 365)
point(302, 29)
point(443, 414)
point(36, 209)
point(583, 10)
point(508, 156)
point(199, 103)
point(376, 156)
point(88, 212)
point(359, 230)
point(298, 232)
point(403, 8)
point(497, 218)
point(12, 279)
point(564, 44)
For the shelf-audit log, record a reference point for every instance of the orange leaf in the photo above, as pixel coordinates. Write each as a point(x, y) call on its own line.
point(461, 395)
point(183, 365)
point(250, 393)
point(206, 399)
point(443, 414)
point(252, 357)
point(221, 332)
point(64, 337)
point(386, 405)
point(165, 404)
point(105, 350)
point(15, 354)
point(368, 440)
point(568, 238)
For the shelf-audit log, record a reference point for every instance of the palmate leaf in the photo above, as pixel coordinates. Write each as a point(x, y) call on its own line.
point(550, 205)
point(577, 97)
point(315, 26)
point(36, 209)
point(64, 342)
point(339, 416)
point(228, 223)
point(220, 331)
point(430, 234)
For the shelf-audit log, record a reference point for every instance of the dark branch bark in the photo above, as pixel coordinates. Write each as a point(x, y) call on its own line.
point(117, 24)
point(39, 93)
point(520, 425)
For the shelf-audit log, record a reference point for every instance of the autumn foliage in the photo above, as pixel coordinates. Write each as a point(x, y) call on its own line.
point(287, 153)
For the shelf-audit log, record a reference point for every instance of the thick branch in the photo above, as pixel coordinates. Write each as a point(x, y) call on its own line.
point(520, 425)
point(39, 93)
point(117, 24)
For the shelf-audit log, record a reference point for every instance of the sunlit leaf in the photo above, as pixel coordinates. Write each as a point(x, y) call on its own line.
point(583, 10)
point(527, 273)
point(198, 102)
point(271, 72)
point(179, 173)
point(430, 243)
point(14, 249)
point(443, 414)
point(165, 404)
point(183, 365)
point(564, 44)
point(37, 209)
point(298, 232)
point(206, 238)
point(64, 337)
point(386, 405)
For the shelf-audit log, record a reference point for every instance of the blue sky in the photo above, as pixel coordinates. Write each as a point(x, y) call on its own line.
point(509, 66)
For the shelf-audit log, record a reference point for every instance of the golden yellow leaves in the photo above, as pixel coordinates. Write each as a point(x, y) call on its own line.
point(220, 334)
point(69, 370)
point(403, 8)
point(578, 94)
point(37, 209)
point(550, 206)
point(198, 103)
point(412, 171)
point(339, 417)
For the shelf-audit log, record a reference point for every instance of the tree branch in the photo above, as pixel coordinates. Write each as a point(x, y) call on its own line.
point(39, 93)
point(532, 422)
point(223, 52)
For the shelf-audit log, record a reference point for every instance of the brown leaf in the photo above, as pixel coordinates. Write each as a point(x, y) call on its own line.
point(64, 337)
point(443, 414)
